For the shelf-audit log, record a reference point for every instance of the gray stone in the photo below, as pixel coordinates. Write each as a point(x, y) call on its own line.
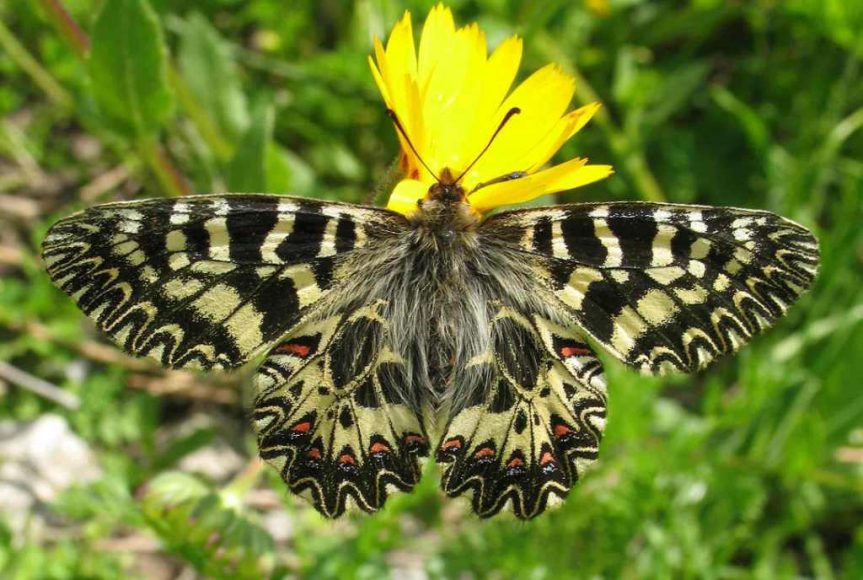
point(39, 460)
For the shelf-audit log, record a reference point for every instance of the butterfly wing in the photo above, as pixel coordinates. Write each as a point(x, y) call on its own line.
point(204, 281)
point(662, 286)
point(329, 416)
point(527, 439)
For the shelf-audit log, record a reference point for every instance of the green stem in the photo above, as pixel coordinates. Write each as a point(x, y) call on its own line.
point(646, 184)
point(200, 118)
point(14, 141)
point(32, 68)
point(160, 164)
point(380, 194)
point(237, 489)
point(67, 27)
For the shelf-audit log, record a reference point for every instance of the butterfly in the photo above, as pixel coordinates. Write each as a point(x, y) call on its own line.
point(388, 338)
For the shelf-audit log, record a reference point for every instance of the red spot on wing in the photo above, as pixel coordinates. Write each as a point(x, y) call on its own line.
point(546, 458)
point(484, 452)
point(314, 453)
point(294, 348)
point(568, 351)
point(451, 444)
point(515, 462)
point(303, 427)
point(561, 430)
point(347, 459)
point(414, 443)
point(379, 447)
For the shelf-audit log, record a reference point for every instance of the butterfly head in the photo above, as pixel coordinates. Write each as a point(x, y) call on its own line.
point(447, 189)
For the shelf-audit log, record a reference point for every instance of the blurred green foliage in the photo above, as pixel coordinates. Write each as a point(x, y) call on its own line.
point(750, 469)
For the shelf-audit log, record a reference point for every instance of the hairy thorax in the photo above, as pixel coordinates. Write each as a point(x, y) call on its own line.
point(440, 280)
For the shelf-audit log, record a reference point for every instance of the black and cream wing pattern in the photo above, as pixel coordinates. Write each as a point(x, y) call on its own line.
point(662, 287)
point(212, 281)
point(205, 281)
point(665, 287)
point(329, 415)
point(383, 336)
point(525, 441)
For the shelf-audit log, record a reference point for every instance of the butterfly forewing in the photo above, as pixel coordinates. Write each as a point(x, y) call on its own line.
point(203, 281)
point(663, 286)
point(329, 418)
point(527, 441)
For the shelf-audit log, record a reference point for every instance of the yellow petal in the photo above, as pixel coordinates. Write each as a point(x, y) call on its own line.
point(568, 126)
point(406, 195)
point(379, 80)
point(411, 117)
point(437, 31)
point(569, 175)
point(500, 71)
point(496, 78)
point(401, 55)
point(451, 97)
point(543, 99)
point(395, 62)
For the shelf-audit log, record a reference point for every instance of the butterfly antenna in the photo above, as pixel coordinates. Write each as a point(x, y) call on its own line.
point(509, 115)
point(404, 134)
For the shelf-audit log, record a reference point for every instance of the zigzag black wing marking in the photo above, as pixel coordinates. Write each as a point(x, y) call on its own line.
point(204, 281)
point(538, 428)
point(329, 418)
point(666, 287)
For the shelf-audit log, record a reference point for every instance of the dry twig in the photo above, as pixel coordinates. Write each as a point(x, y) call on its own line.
point(147, 376)
point(38, 386)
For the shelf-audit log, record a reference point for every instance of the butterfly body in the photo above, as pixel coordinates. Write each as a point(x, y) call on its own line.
point(389, 338)
point(436, 276)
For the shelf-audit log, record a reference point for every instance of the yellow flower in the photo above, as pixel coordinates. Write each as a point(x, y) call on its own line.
point(450, 98)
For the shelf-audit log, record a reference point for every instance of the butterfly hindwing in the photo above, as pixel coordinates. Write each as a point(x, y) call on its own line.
point(537, 428)
point(329, 414)
point(663, 286)
point(203, 281)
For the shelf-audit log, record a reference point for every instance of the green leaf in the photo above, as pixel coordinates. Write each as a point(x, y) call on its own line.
point(128, 68)
point(172, 488)
point(196, 523)
point(207, 66)
point(840, 20)
point(754, 126)
point(279, 172)
point(247, 171)
point(674, 92)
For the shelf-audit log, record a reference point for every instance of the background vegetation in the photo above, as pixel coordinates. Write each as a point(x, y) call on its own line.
point(750, 469)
